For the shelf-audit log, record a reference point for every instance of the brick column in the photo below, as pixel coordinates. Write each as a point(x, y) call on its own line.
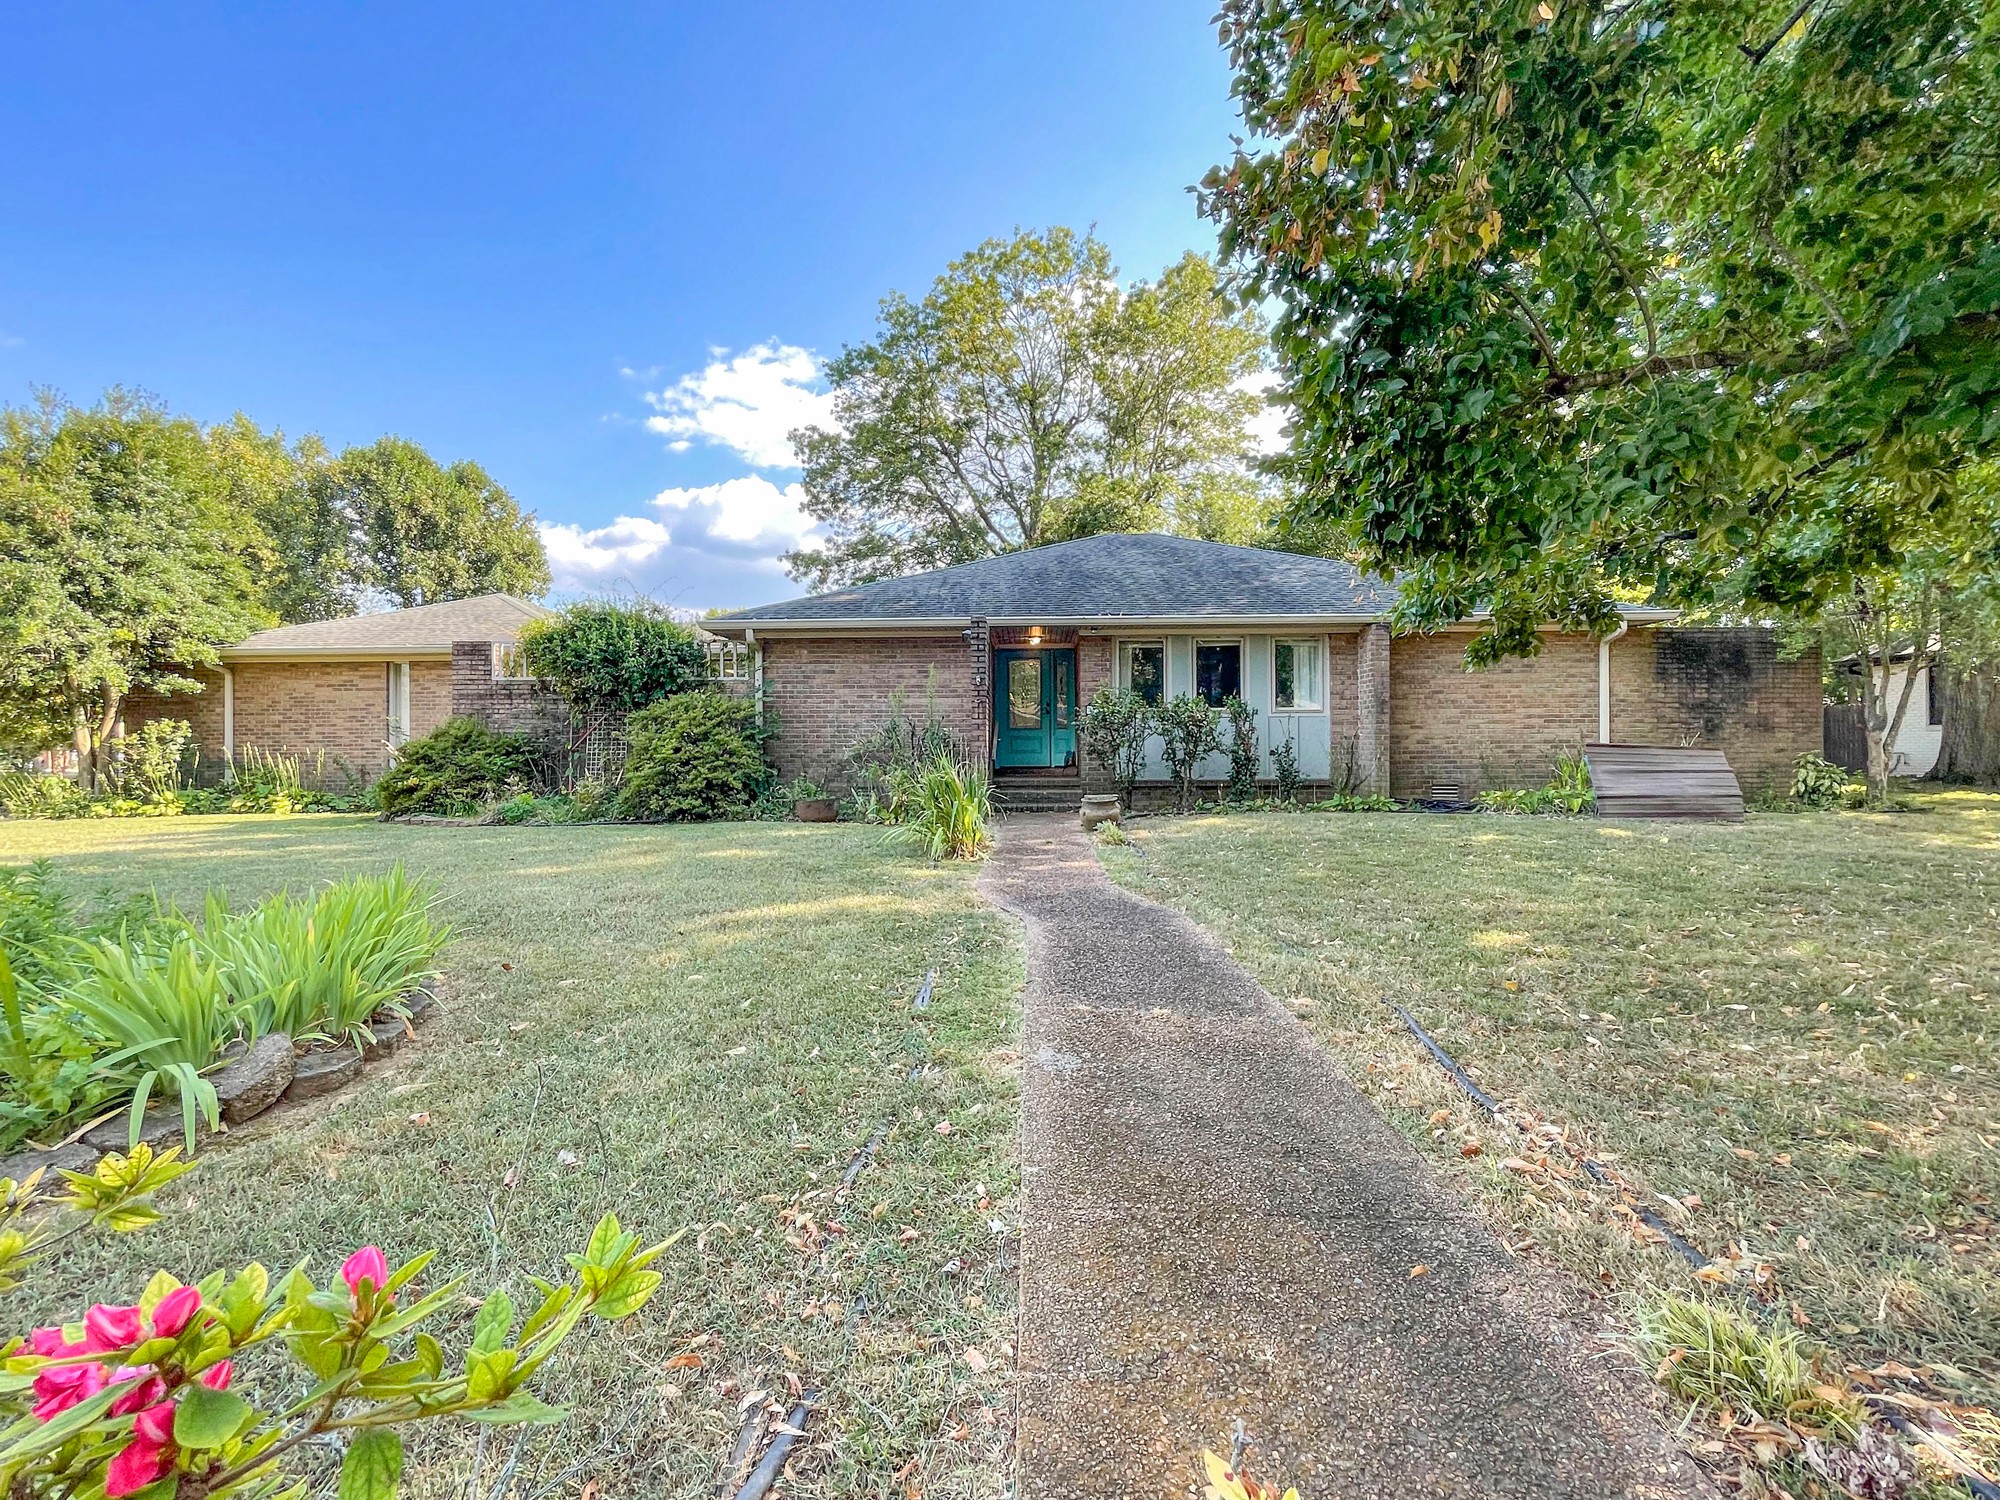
point(979, 646)
point(1371, 710)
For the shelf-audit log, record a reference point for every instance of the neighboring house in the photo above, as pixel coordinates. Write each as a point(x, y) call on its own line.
point(342, 694)
point(1006, 651)
point(1918, 742)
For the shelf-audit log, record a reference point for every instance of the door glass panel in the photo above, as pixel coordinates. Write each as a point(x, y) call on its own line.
point(1024, 693)
point(1146, 671)
point(1218, 672)
point(1065, 693)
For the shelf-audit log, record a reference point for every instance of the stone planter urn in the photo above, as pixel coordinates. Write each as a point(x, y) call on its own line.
point(816, 809)
point(1100, 808)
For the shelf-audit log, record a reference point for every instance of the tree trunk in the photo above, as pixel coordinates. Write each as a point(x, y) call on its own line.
point(79, 741)
point(1970, 749)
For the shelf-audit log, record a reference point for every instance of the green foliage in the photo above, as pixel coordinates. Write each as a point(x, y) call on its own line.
point(1598, 300)
point(609, 658)
point(1028, 398)
point(428, 532)
point(1285, 767)
point(887, 758)
point(589, 801)
point(1189, 732)
point(1242, 747)
point(112, 1196)
point(1355, 802)
point(455, 770)
point(693, 757)
point(151, 760)
point(1568, 793)
point(943, 808)
point(1817, 782)
point(323, 967)
point(24, 794)
point(1113, 730)
point(121, 566)
point(1716, 1358)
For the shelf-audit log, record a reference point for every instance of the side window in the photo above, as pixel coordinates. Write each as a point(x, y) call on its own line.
point(1295, 675)
point(1146, 670)
point(1218, 671)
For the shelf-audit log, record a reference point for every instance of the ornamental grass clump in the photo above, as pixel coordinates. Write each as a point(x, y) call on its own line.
point(1717, 1359)
point(943, 808)
point(164, 1396)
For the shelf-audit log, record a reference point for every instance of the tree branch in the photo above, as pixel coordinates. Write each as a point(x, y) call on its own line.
point(1618, 261)
point(1541, 334)
point(1804, 277)
point(1758, 54)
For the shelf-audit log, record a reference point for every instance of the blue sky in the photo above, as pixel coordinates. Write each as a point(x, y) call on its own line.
point(522, 235)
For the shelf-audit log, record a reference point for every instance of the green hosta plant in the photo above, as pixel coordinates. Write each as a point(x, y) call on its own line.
point(1817, 782)
point(158, 1397)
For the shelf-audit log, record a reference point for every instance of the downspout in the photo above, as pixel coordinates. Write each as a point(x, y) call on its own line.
point(1604, 682)
point(756, 672)
point(228, 725)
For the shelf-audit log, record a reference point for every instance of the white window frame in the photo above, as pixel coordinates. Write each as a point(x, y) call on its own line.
point(399, 702)
point(509, 665)
point(728, 661)
point(1318, 645)
point(1125, 650)
point(1242, 646)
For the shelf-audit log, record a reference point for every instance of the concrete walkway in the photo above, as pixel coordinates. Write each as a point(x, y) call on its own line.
point(1218, 1225)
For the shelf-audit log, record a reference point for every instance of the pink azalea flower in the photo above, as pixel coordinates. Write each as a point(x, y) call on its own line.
point(140, 1461)
point(175, 1311)
point(365, 1265)
point(147, 1388)
point(106, 1328)
point(217, 1376)
point(155, 1424)
point(63, 1386)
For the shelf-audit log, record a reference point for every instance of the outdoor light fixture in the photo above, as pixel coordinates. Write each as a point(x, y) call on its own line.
point(1034, 635)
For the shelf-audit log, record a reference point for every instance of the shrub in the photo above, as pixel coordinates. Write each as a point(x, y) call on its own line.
point(900, 747)
point(693, 756)
point(1817, 782)
point(1355, 802)
point(1113, 730)
point(1568, 794)
point(1242, 749)
point(1188, 732)
point(607, 658)
point(455, 770)
point(1285, 766)
point(945, 809)
point(153, 760)
point(1718, 1359)
point(24, 794)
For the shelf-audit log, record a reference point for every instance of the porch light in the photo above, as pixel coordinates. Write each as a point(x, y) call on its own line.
point(1034, 635)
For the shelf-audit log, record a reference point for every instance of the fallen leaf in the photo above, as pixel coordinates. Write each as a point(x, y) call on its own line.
point(421, 1117)
point(975, 1361)
point(943, 1127)
point(684, 1362)
point(1416, 1271)
point(908, 1234)
point(567, 1158)
point(1439, 1116)
point(1470, 1149)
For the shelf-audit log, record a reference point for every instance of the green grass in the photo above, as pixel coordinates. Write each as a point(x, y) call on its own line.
point(1783, 1032)
point(690, 1026)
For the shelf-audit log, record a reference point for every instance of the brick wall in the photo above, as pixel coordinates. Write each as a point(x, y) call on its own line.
point(1727, 688)
point(512, 705)
point(201, 711)
point(334, 715)
point(827, 695)
point(1504, 726)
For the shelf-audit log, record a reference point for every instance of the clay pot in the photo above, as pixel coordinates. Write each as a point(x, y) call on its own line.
point(1100, 808)
point(816, 810)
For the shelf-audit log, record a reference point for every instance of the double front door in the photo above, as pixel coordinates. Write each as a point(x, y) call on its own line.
point(1034, 708)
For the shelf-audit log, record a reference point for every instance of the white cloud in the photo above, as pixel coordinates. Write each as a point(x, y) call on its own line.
point(746, 403)
point(720, 547)
point(749, 509)
point(578, 557)
point(1267, 427)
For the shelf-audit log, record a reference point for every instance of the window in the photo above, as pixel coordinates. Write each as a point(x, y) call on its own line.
point(1295, 675)
point(728, 661)
point(1218, 671)
point(509, 665)
point(1146, 669)
point(1024, 692)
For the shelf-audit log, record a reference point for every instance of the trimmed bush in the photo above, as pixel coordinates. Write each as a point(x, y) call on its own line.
point(455, 770)
point(614, 658)
point(1113, 731)
point(693, 757)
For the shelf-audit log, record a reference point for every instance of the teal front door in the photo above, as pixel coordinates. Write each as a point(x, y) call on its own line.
point(1034, 707)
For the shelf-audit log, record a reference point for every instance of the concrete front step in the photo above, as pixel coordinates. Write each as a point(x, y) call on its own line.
point(1037, 796)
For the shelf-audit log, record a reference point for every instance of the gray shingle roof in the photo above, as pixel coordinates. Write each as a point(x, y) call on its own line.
point(1135, 576)
point(426, 628)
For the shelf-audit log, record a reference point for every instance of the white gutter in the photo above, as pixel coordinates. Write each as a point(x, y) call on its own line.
point(1123, 624)
point(1604, 682)
point(228, 724)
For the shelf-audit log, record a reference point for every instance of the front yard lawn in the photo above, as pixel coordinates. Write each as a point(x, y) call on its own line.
point(691, 1027)
point(1784, 1033)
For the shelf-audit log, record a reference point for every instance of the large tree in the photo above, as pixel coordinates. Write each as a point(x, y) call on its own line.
point(1029, 398)
point(1700, 297)
point(123, 563)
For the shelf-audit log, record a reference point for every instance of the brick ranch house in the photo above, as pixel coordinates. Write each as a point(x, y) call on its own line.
point(1007, 649)
point(349, 691)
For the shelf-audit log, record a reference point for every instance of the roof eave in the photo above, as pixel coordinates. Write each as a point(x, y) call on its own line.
point(231, 654)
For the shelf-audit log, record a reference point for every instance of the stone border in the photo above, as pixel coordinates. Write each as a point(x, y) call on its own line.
point(254, 1080)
